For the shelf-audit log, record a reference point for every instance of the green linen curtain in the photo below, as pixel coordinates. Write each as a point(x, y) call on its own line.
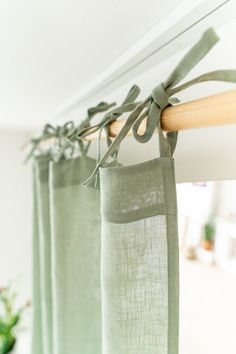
point(106, 259)
point(66, 259)
point(66, 249)
point(43, 254)
point(139, 255)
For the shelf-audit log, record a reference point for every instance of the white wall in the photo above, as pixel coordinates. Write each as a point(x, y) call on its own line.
point(15, 214)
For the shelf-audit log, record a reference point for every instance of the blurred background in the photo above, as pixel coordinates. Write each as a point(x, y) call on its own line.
point(207, 234)
point(57, 53)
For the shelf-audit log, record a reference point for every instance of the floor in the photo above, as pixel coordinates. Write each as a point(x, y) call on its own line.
point(208, 309)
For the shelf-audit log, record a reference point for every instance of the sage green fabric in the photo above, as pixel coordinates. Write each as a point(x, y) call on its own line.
point(67, 247)
point(76, 248)
point(44, 251)
point(37, 340)
point(139, 259)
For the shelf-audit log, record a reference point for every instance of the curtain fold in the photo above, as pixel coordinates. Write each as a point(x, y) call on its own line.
point(76, 244)
point(37, 340)
point(44, 251)
point(66, 250)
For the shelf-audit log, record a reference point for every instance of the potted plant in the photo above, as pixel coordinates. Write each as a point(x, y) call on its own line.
point(208, 236)
point(9, 319)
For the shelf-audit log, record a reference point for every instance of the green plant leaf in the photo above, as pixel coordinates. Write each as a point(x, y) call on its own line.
point(7, 343)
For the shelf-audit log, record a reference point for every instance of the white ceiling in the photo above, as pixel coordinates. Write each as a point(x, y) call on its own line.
point(51, 49)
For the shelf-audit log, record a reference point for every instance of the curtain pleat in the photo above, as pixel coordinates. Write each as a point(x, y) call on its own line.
point(76, 244)
point(43, 207)
point(37, 340)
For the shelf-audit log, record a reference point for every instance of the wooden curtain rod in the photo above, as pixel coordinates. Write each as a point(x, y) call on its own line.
point(219, 109)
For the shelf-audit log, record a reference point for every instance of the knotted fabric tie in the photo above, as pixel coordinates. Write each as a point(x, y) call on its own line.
point(128, 105)
point(85, 125)
point(162, 96)
point(60, 133)
point(66, 135)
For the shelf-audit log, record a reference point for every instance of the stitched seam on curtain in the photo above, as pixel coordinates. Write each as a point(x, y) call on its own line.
point(112, 209)
point(173, 265)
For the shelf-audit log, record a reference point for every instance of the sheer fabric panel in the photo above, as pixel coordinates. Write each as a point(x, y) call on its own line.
point(139, 259)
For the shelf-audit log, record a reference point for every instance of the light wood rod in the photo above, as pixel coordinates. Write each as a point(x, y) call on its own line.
point(219, 109)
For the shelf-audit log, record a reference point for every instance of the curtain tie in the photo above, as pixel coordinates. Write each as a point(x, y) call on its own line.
point(85, 125)
point(162, 96)
point(157, 102)
point(128, 105)
point(66, 134)
point(61, 133)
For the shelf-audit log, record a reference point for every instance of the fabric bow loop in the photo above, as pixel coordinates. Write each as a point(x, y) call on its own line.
point(160, 97)
point(158, 101)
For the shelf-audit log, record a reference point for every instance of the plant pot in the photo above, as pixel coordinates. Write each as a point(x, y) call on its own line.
point(190, 253)
point(207, 245)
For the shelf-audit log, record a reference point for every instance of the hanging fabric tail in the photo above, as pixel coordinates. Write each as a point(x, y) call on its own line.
point(127, 105)
point(101, 107)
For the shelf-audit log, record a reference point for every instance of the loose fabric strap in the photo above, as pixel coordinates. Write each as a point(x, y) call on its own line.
point(128, 105)
point(86, 124)
point(161, 97)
